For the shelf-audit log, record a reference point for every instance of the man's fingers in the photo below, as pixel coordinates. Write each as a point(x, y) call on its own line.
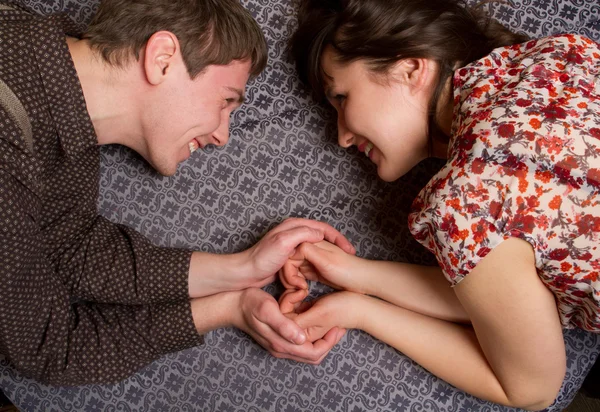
point(284, 327)
point(291, 238)
point(326, 231)
point(312, 353)
point(335, 237)
point(340, 334)
point(325, 344)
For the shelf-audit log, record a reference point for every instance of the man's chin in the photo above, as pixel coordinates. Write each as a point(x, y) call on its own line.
point(168, 173)
point(165, 169)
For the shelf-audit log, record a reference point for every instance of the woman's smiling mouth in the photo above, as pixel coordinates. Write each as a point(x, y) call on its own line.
point(366, 147)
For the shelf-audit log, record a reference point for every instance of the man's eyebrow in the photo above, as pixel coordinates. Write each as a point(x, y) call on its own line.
point(240, 93)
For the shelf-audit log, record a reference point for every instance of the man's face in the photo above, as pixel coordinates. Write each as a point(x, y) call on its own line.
point(189, 114)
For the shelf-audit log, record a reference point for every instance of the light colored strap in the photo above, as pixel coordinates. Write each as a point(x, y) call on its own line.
point(13, 106)
point(5, 7)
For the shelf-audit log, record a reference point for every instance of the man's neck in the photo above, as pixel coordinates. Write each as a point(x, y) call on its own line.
point(108, 95)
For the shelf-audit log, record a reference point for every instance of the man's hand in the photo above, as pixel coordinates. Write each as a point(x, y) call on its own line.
point(269, 255)
point(258, 315)
point(258, 265)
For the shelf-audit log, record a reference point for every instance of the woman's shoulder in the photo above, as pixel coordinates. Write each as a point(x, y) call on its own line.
point(519, 86)
point(562, 40)
point(558, 52)
point(563, 45)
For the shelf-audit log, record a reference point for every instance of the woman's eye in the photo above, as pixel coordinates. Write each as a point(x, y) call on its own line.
point(339, 98)
point(336, 99)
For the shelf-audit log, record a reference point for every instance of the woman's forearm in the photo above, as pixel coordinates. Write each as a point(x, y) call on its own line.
point(422, 289)
point(448, 350)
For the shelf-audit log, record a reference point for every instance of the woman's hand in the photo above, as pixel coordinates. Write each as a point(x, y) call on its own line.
point(318, 317)
point(323, 262)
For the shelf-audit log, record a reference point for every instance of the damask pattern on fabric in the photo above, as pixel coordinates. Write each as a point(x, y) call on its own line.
point(283, 160)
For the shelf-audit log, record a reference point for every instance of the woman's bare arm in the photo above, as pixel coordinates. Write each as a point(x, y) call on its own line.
point(422, 289)
point(513, 354)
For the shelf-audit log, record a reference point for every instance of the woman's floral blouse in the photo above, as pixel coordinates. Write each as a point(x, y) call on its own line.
point(524, 161)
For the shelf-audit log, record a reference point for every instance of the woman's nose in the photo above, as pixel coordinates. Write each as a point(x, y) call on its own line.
point(345, 136)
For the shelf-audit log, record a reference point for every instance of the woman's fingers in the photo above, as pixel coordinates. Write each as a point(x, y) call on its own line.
point(291, 299)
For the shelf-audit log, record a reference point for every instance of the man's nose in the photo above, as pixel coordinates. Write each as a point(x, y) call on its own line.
point(221, 135)
point(345, 136)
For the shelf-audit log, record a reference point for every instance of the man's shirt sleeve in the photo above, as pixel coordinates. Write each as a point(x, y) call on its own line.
point(51, 336)
point(112, 263)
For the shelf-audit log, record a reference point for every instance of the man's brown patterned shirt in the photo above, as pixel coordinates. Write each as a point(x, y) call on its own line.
point(81, 299)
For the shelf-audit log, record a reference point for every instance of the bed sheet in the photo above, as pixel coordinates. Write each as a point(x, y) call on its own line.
point(283, 160)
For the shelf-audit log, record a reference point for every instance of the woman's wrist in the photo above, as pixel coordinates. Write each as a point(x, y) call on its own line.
point(363, 276)
point(353, 312)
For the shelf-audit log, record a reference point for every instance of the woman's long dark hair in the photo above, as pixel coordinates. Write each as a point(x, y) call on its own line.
point(382, 32)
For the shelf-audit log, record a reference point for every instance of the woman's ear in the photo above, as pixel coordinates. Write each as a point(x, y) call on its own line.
point(415, 73)
point(160, 54)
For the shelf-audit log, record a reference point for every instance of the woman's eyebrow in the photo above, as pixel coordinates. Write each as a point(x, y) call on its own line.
point(328, 78)
point(328, 83)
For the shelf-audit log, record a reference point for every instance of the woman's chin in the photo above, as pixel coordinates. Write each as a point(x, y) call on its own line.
point(388, 175)
point(385, 176)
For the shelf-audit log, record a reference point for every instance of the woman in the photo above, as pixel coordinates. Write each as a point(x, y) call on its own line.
point(513, 217)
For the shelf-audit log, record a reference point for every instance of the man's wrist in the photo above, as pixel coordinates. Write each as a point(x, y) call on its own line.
point(214, 273)
point(216, 311)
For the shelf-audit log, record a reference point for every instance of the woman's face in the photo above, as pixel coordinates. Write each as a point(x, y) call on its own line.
point(386, 118)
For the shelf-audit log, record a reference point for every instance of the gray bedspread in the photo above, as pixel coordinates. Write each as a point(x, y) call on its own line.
point(283, 161)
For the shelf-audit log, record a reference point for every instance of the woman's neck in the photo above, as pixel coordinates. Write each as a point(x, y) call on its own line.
point(443, 119)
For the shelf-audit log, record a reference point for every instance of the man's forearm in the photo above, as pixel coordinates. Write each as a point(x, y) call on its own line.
point(213, 273)
point(422, 289)
point(215, 311)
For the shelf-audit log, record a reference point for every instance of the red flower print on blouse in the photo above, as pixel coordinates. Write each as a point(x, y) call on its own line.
point(524, 161)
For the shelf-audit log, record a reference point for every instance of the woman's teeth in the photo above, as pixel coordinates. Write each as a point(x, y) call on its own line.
point(193, 145)
point(368, 149)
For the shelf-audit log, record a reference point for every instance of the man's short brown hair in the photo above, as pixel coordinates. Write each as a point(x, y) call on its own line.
point(209, 31)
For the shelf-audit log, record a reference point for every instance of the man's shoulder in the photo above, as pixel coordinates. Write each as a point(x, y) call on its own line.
point(15, 11)
point(19, 84)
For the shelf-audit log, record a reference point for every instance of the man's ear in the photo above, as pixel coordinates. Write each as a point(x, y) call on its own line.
point(416, 73)
point(161, 53)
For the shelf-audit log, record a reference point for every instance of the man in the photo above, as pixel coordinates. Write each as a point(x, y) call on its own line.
point(82, 299)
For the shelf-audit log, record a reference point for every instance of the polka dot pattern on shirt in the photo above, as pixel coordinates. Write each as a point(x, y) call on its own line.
point(81, 299)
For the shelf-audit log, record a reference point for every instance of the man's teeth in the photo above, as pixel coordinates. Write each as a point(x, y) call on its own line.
point(368, 149)
point(193, 146)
